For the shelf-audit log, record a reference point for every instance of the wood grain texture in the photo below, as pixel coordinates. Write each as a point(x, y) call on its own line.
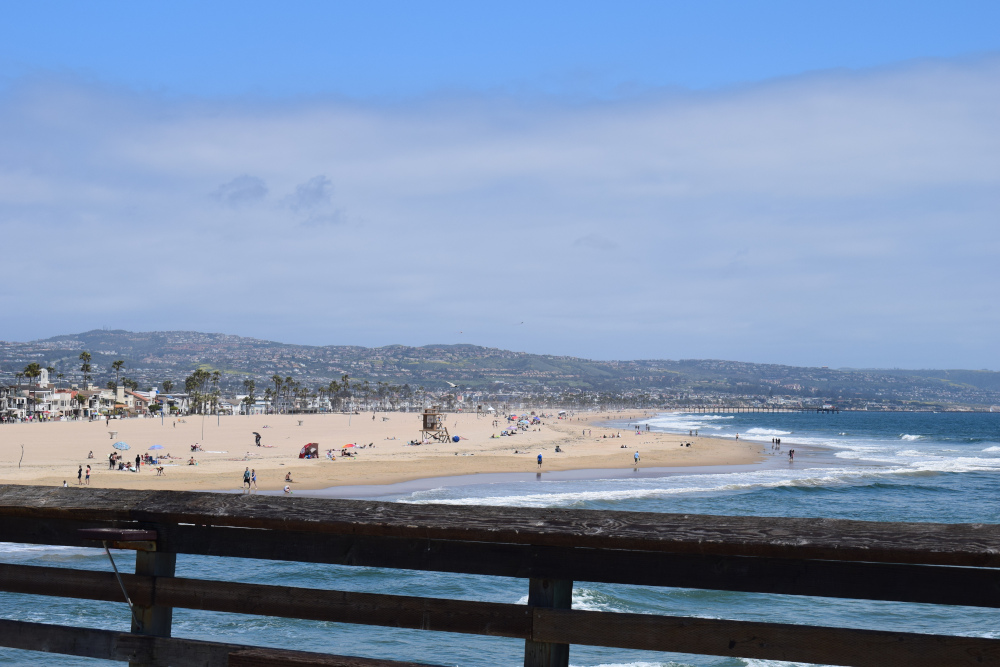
point(162, 651)
point(262, 657)
point(976, 545)
point(398, 611)
point(824, 578)
point(763, 641)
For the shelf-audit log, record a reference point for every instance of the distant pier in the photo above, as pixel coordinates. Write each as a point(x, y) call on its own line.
point(746, 408)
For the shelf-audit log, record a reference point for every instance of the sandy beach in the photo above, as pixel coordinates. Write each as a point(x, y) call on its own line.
point(52, 452)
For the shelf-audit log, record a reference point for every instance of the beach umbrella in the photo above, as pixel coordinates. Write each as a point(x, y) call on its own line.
point(350, 445)
point(120, 445)
point(157, 447)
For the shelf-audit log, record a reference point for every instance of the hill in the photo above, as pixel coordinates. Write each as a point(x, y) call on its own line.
point(151, 357)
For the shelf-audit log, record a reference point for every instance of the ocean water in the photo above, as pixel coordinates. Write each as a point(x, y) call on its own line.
point(857, 465)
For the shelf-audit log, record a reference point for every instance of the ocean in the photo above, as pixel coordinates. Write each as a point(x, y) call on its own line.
point(940, 467)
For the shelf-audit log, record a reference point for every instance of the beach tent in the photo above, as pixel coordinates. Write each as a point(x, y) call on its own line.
point(311, 450)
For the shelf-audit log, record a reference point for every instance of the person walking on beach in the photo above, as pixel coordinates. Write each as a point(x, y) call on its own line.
point(253, 478)
point(791, 454)
point(79, 475)
point(246, 480)
point(539, 460)
point(636, 457)
point(87, 475)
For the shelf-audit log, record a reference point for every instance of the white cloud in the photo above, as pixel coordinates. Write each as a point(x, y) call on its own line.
point(848, 218)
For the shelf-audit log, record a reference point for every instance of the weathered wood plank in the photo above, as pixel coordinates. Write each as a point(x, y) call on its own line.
point(763, 641)
point(442, 615)
point(156, 618)
point(262, 657)
point(857, 580)
point(553, 593)
point(123, 647)
point(974, 545)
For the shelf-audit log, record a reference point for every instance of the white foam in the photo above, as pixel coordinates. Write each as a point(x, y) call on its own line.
point(35, 549)
point(561, 494)
point(767, 431)
point(587, 600)
point(911, 438)
point(994, 448)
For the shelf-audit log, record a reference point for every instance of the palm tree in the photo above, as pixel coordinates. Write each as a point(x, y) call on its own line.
point(117, 366)
point(250, 386)
point(167, 386)
point(33, 371)
point(276, 379)
point(85, 368)
point(268, 397)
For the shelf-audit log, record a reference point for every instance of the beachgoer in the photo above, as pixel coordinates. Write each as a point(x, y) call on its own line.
point(737, 436)
point(111, 461)
point(791, 454)
point(138, 459)
point(65, 485)
point(287, 490)
point(246, 480)
point(636, 457)
point(90, 455)
point(88, 474)
point(539, 460)
point(79, 475)
point(288, 476)
point(253, 479)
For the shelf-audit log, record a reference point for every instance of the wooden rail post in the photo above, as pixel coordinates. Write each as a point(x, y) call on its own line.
point(557, 594)
point(156, 619)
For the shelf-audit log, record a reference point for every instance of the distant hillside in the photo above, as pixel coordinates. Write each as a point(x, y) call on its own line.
point(152, 357)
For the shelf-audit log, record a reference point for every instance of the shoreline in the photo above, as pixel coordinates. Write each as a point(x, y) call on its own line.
point(54, 451)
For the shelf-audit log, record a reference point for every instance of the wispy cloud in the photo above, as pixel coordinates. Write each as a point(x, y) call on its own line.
point(843, 218)
point(241, 190)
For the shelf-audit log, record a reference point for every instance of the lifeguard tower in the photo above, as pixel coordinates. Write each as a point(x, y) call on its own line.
point(433, 425)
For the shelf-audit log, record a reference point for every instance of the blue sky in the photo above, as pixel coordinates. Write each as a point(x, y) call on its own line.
point(401, 49)
point(806, 183)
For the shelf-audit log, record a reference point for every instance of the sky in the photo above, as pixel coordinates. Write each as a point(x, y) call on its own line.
point(781, 182)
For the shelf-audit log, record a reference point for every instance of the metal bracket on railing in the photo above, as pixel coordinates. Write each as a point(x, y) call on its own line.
point(136, 540)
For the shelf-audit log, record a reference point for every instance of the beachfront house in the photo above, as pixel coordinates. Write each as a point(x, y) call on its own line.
point(175, 403)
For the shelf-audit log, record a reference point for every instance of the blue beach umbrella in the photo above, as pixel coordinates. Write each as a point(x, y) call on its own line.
point(120, 445)
point(157, 447)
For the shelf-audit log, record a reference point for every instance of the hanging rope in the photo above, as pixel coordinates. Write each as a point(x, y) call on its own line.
point(135, 618)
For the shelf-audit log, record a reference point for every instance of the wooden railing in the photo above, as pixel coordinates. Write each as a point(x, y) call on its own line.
point(942, 564)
